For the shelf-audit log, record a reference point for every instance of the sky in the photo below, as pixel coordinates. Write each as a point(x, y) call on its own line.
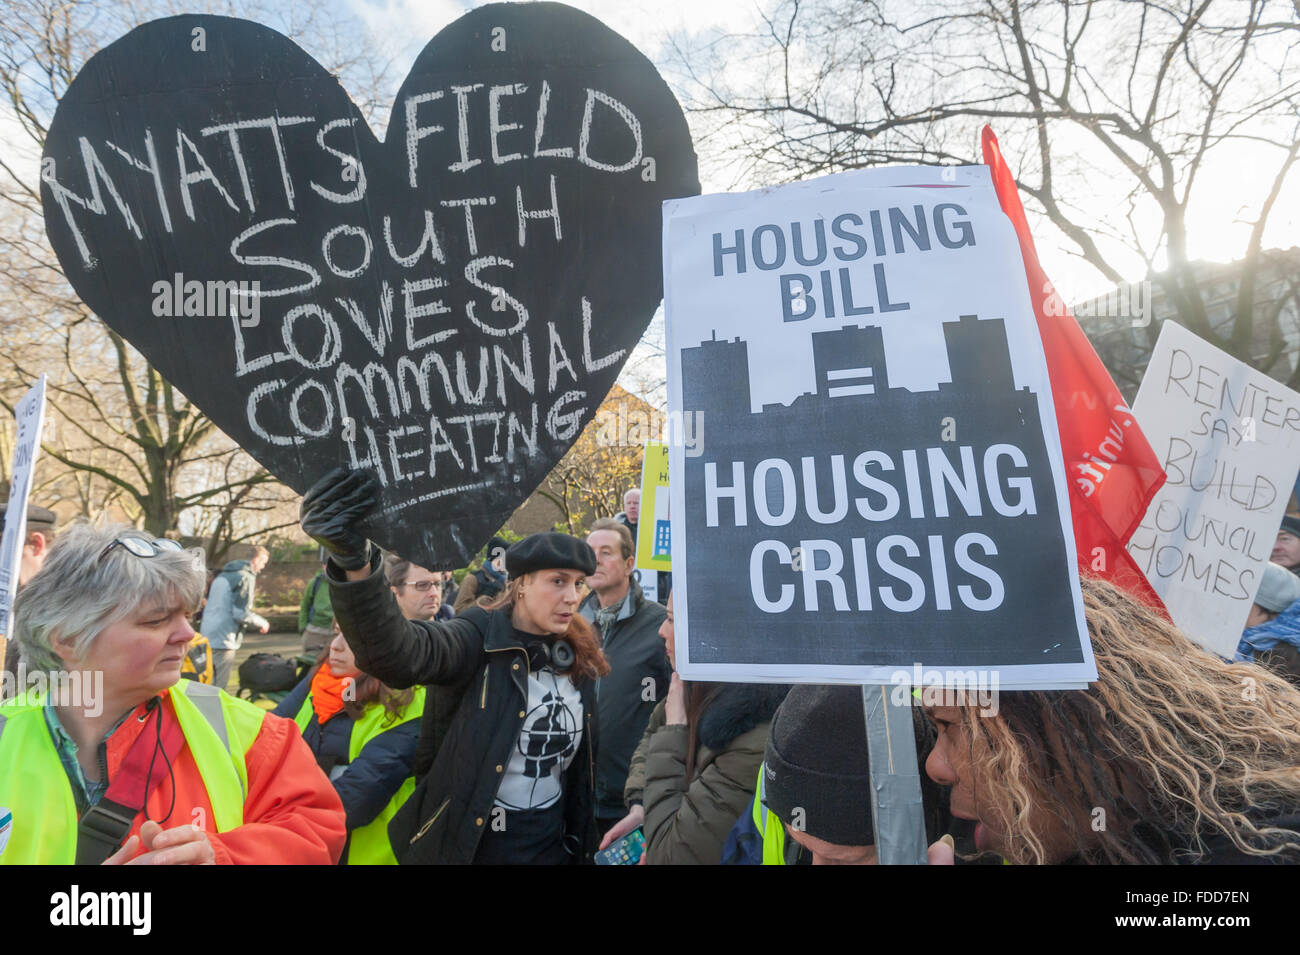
point(1229, 190)
point(648, 25)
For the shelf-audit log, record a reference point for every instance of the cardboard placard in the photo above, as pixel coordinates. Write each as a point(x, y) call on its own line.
point(880, 481)
point(1229, 440)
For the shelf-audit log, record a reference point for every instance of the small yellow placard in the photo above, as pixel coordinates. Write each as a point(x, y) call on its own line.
point(654, 536)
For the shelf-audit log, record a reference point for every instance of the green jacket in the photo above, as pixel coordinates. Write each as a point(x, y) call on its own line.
point(315, 608)
point(687, 821)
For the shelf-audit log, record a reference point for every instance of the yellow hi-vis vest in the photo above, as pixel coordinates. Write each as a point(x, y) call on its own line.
point(769, 827)
point(369, 845)
point(219, 730)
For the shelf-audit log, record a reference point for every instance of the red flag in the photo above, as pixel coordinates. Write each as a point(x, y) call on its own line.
point(1110, 468)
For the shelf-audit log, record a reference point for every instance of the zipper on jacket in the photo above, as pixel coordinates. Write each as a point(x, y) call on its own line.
point(432, 819)
point(591, 757)
point(102, 757)
point(482, 701)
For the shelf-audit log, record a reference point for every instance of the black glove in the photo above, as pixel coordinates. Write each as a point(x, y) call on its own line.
point(331, 510)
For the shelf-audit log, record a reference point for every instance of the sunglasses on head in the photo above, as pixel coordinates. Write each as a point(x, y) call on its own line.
point(141, 547)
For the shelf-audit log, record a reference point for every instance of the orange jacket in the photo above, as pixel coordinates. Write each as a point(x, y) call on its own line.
point(292, 815)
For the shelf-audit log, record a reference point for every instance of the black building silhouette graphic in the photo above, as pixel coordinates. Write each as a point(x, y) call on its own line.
point(952, 473)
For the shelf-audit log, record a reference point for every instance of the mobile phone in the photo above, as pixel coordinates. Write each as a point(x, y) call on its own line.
point(626, 851)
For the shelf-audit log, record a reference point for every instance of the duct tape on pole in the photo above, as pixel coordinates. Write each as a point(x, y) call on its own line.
point(897, 815)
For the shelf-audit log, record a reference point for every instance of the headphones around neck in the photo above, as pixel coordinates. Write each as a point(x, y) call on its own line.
point(557, 654)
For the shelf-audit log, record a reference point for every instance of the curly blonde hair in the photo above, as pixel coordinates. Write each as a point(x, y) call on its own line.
point(1172, 743)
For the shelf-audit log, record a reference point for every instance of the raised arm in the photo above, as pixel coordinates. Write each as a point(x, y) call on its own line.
point(398, 651)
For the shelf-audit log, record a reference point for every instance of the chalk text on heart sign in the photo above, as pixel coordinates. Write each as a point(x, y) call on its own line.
point(454, 335)
point(192, 167)
point(179, 170)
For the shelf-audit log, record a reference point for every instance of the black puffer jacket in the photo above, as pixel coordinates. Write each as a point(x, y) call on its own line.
point(470, 728)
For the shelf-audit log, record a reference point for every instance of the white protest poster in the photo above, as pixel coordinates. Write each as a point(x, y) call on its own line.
point(649, 581)
point(30, 417)
point(1228, 437)
point(880, 485)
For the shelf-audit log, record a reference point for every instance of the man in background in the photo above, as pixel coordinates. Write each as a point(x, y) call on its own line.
point(419, 596)
point(631, 512)
point(1272, 634)
point(813, 796)
point(418, 591)
point(629, 517)
point(639, 667)
point(1286, 549)
point(230, 609)
point(40, 535)
point(316, 616)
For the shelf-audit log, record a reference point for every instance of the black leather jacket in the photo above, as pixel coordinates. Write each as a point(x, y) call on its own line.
point(478, 673)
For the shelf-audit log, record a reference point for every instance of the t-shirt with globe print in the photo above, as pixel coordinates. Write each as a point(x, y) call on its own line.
point(527, 822)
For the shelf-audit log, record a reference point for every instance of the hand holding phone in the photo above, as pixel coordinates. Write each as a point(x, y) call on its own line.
point(626, 851)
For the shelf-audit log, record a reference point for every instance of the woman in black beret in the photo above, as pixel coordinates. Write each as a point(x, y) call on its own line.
point(508, 739)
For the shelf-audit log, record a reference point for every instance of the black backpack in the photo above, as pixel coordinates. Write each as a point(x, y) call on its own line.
point(267, 673)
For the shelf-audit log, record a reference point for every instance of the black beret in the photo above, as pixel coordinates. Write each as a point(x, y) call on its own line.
point(816, 762)
point(550, 551)
point(38, 518)
point(1291, 524)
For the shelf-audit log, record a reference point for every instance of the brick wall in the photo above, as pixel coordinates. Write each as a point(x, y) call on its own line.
point(282, 584)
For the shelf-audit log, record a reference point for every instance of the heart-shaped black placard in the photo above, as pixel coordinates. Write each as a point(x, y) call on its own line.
point(448, 306)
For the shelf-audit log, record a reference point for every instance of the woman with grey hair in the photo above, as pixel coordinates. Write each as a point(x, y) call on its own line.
point(110, 757)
